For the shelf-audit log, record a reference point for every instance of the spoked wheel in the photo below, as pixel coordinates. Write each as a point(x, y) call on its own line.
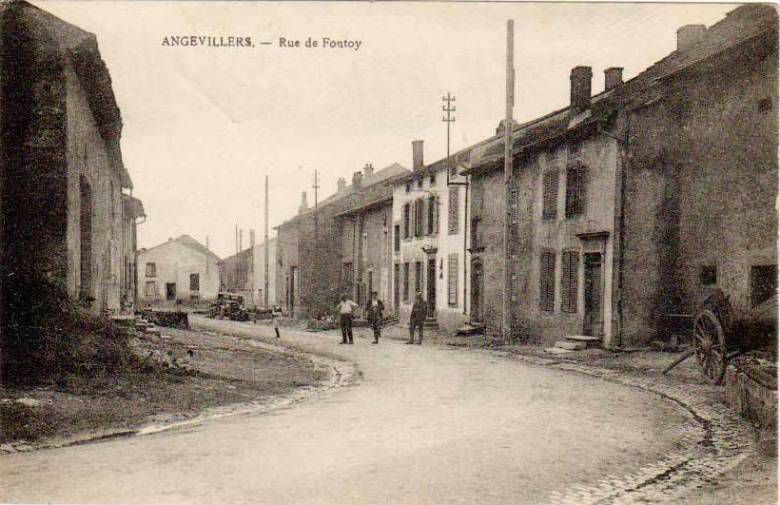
point(709, 344)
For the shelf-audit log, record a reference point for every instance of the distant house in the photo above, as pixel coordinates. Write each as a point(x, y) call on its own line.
point(244, 273)
point(179, 269)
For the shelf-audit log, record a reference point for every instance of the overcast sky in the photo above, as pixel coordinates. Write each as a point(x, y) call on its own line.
point(204, 125)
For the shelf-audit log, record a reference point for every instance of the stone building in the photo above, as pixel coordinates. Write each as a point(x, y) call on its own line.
point(244, 273)
point(180, 269)
point(133, 209)
point(314, 258)
point(632, 205)
point(64, 216)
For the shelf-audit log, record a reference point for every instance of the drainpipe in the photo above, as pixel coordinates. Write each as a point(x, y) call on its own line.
point(465, 245)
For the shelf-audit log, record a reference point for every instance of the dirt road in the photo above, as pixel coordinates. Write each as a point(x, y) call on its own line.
point(422, 425)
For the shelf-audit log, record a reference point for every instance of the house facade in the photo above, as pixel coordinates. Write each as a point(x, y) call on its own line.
point(313, 264)
point(430, 256)
point(64, 182)
point(631, 206)
point(180, 269)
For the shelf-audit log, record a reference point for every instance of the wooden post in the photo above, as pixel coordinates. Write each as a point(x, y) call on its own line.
point(506, 326)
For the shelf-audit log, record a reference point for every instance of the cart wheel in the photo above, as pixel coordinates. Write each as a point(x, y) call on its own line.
point(709, 344)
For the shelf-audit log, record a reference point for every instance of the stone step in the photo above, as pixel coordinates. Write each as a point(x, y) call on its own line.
point(570, 346)
point(587, 340)
point(557, 350)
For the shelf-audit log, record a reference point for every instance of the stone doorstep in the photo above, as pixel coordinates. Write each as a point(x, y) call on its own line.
point(557, 350)
point(586, 340)
point(570, 346)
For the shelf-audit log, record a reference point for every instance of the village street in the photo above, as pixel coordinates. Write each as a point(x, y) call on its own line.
point(419, 425)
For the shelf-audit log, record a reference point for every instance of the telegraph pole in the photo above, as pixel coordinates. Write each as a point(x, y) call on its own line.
point(449, 119)
point(265, 293)
point(510, 101)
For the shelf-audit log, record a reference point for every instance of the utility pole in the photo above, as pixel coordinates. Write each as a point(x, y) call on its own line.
point(510, 101)
point(265, 292)
point(449, 119)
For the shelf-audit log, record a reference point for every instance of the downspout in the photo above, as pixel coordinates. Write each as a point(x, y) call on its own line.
point(465, 245)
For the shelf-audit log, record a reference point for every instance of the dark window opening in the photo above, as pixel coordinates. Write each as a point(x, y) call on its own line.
point(408, 187)
point(397, 238)
point(708, 276)
point(406, 220)
point(406, 282)
point(170, 291)
point(418, 277)
point(433, 179)
point(151, 269)
point(419, 182)
point(194, 282)
point(763, 283)
point(431, 215)
point(475, 232)
point(765, 104)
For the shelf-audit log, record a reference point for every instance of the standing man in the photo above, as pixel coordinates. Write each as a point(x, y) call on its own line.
point(375, 313)
point(417, 318)
point(346, 310)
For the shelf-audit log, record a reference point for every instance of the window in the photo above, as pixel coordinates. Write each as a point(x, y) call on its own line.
point(397, 238)
point(708, 276)
point(452, 279)
point(575, 190)
point(765, 104)
point(763, 283)
point(396, 285)
point(194, 282)
point(550, 195)
point(370, 283)
point(408, 187)
point(419, 182)
point(418, 280)
point(406, 282)
point(431, 215)
point(151, 269)
point(151, 288)
point(433, 179)
point(406, 220)
point(570, 263)
point(547, 281)
point(452, 212)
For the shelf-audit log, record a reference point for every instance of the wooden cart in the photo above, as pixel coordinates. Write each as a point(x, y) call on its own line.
point(719, 333)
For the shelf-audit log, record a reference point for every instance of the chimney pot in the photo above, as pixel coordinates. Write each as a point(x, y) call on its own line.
point(304, 204)
point(580, 89)
point(341, 184)
point(369, 169)
point(417, 155)
point(613, 77)
point(689, 35)
point(357, 180)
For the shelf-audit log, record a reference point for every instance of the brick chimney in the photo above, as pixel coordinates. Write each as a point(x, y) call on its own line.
point(689, 35)
point(580, 89)
point(341, 185)
point(304, 205)
point(357, 180)
point(368, 170)
point(417, 155)
point(613, 77)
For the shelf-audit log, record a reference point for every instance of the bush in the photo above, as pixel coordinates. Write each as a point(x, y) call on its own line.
point(46, 335)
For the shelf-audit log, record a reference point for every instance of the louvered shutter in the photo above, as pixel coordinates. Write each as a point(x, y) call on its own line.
point(547, 281)
point(452, 279)
point(550, 195)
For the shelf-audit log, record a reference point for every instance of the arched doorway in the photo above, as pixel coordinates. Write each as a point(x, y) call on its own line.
point(85, 194)
point(477, 289)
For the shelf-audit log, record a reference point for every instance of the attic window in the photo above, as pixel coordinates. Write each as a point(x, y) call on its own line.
point(765, 104)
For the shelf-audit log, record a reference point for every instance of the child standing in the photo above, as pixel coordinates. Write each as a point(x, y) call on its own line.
point(275, 321)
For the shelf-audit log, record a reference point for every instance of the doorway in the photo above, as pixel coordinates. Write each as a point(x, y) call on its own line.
point(431, 287)
point(592, 321)
point(170, 291)
point(476, 292)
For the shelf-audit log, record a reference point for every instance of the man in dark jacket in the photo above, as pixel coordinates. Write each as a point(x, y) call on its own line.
point(375, 314)
point(417, 318)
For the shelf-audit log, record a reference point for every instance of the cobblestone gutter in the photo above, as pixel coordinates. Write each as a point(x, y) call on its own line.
point(713, 441)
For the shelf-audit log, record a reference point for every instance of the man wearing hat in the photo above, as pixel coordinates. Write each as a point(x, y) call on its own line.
point(417, 318)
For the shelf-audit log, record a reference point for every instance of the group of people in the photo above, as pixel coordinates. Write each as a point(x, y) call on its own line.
point(374, 311)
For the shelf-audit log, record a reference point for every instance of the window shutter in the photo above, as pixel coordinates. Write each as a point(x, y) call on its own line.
point(453, 214)
point(452, 279)
point(569, 269)
point(550, 195)
point(547, 281)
